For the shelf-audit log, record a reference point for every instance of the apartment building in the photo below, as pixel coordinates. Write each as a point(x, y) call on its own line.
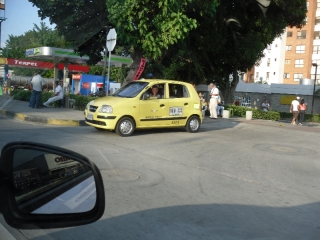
point(291, 57)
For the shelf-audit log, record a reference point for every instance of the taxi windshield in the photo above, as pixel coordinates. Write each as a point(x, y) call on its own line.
point(131, 90)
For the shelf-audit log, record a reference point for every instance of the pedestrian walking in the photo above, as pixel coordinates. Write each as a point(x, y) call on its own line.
point(294, 109)
point(214, 94)
point(37, 85)
point(302, 111)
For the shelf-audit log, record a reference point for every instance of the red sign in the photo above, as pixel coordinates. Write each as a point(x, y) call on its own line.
point(46, 65)
point(85, 85)
point(140, 69)
point(76, 76)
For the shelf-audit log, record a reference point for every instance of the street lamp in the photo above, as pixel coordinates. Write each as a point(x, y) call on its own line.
point(314, 85)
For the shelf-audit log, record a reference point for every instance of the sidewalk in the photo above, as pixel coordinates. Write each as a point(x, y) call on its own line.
point(20, 110)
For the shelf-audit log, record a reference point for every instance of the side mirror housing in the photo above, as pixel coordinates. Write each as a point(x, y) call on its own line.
point(43, 186)
point(145, 96)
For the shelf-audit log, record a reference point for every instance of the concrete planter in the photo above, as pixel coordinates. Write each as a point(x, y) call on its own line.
point(226, 114)
point(248, 115)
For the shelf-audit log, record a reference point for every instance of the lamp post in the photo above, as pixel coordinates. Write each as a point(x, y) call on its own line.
point(314, 85)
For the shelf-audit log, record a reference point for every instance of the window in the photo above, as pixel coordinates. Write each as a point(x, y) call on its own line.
point(178, 91)
point(317, 20)
point(307, 5)
point(300, 48)
point(301, 34)
point(316, 35)
point(268, 62)
point(287, 61)
point(251, 76)
point(318, 77)
point(289, 34)
point(288, 48)
point(286, 75)
point(297, 77)
point(316, 49)
point(275, 59)
point(257, 75)
point(318, 5)
point(267, 76)
point(274, 73)
point(269, 48)
point(298, 63)
point(276, 45)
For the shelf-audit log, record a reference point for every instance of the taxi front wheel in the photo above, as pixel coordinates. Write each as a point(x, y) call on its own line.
point(193, 124)
point(125, 127)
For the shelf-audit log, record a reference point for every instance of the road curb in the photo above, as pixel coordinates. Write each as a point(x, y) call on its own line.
point(49, 121)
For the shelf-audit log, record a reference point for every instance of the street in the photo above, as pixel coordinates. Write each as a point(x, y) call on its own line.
point(231, 180)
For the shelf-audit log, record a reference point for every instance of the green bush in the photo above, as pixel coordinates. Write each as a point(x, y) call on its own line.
point(81, 101)
point(22, 95)
point(240, 111)
point(14, 92)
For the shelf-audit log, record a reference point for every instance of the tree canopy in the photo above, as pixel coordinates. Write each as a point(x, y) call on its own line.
point(192, 40)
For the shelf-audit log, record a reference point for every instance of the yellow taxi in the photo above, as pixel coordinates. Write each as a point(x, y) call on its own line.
point(147, 103)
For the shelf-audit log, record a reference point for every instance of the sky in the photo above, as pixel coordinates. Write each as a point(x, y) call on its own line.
point(20, 17)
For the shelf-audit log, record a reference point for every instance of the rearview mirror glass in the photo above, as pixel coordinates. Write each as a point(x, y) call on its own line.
point(47, 183)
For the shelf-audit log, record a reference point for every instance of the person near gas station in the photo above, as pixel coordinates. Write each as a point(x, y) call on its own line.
point(37, 85)
point(58, 95)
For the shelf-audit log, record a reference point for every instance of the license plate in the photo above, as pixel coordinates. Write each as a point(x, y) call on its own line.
point(175, 111)
point(89, 117)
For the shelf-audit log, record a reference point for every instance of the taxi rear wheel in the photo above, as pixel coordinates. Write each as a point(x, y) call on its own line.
point(125, 127)
point(193, 124)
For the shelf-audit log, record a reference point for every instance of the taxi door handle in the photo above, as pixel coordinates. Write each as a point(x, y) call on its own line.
point(186, 104)
point(161, 105)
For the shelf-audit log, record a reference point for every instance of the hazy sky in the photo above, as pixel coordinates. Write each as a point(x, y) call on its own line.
point(20, 16)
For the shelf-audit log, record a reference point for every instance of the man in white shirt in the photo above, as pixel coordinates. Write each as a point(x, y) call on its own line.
point(58, 95)
point(294, 108)
point(37, 84)
point(214, 94)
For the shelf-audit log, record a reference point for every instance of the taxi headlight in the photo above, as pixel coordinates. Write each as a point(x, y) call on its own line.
point(106, 109)
point(88, 105)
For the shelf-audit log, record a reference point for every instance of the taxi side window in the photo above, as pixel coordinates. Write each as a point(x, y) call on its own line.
point(160, 92)
point(178, 91)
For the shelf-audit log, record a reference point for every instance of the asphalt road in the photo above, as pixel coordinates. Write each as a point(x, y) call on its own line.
point(231, 180)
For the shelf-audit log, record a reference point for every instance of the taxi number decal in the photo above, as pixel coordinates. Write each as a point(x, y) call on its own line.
point(174, 111)
point(175, 122)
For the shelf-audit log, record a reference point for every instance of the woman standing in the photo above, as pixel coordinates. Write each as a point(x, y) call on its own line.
point(303, 108)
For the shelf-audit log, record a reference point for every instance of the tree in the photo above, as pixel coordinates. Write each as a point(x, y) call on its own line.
point(39, 36)
point(206, 39)
point(230, 39)
point(82, 22)
point(151, 27)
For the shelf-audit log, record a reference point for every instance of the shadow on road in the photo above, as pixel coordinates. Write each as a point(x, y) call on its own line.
point(208, 221)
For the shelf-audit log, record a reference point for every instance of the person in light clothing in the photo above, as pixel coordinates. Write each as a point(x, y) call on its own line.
point(302, 110)
point(37, 85)
point(294, 108)
point(214, 94)
point(58, 95)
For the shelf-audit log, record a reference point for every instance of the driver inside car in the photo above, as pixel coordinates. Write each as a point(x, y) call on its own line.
point(155, 92)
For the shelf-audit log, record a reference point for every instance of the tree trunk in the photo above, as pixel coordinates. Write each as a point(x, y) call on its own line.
point(137, 55)
point(231, 87)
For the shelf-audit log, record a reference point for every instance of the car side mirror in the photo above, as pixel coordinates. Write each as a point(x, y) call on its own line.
point(145, 96)
point(43, 186)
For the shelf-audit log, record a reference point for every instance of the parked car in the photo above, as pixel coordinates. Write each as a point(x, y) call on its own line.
point(146, 103)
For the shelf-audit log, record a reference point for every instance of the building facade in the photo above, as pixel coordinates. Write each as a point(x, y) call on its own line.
point(291, 57)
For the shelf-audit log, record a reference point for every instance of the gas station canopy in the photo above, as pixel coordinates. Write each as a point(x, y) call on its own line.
point(51, 53)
